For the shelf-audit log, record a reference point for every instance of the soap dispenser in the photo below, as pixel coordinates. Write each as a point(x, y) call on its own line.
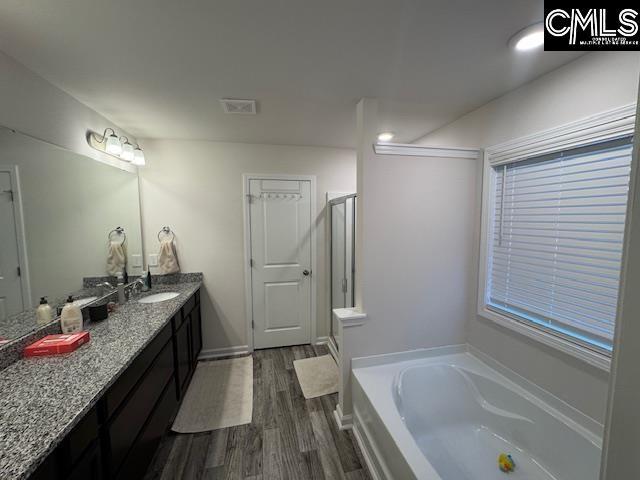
point(44, 314)
point(71, 317)
point(146, 279)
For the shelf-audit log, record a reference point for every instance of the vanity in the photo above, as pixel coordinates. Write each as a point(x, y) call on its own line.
point(71, 225)
point(100, 412)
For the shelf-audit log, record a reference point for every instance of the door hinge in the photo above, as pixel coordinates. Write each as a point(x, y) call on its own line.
point(249, 198)
point(253, 325)
point(19, 272)
point(251, 262)
point(10, 193)
point(344, 285)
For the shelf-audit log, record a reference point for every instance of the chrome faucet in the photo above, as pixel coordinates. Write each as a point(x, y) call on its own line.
point(137, 286)
point(105, 285)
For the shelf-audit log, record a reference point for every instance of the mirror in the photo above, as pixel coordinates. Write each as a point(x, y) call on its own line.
point(57, 209)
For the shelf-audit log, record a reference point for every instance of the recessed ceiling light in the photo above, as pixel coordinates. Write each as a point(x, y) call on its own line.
point(528, 38)
point(385, 136)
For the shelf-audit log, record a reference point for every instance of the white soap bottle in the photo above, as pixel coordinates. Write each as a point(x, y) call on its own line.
point(44, 314)
point(71, 317)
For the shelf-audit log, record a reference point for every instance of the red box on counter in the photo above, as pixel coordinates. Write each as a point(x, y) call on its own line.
point(56, 344)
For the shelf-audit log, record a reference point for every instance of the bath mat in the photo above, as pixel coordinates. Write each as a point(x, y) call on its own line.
point(220, 395)
point(317, 376)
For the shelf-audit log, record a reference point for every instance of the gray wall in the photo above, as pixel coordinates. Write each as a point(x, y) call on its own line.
point(592, 84)
point(415, 240)
point(620, 459)
point(196, 188)
point(34, 106)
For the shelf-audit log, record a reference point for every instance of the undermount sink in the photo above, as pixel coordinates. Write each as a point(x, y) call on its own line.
point(158, 297)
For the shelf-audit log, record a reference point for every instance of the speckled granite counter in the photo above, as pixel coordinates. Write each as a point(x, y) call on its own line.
point(23, 323)
point(42, 399)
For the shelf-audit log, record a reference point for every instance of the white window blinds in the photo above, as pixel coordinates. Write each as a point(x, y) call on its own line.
point(555, 245)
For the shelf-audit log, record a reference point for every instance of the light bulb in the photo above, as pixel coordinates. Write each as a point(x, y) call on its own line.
point(531, 41)
point(127, 152)
point(113, 145)
point(528, 38)
point(385, 136)
point(138, 157)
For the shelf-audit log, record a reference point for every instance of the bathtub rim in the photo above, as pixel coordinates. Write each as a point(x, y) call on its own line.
point(390, 432)
point(576, 416)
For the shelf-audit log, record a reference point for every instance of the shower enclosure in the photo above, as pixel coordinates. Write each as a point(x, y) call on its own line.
point(342, 212)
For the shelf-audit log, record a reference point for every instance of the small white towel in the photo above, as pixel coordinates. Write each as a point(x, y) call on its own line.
point(116, 258)
point(167, 258)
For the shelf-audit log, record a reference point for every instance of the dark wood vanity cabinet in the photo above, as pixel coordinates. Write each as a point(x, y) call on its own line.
point(196, 335)
point(118, 437)
point(183, 355)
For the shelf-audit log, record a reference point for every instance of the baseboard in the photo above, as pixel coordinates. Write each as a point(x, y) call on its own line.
point(333, 351)
point(345, 422)
point(321, 341)
point(223, 352)
point(368, 451)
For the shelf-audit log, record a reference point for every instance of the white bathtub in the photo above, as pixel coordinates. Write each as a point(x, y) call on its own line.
point(448, 417)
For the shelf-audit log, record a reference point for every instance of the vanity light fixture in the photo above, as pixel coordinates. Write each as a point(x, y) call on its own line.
point(119, 147)
point(528, 38)
point(138, 157)
point(112, 144)
point(385, 136)
point(127, 150)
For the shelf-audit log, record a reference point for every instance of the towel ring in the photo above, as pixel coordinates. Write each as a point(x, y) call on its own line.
point(166, 231)
point(118, 231)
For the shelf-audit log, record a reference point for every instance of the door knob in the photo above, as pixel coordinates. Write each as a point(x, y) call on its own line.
point(306, 272)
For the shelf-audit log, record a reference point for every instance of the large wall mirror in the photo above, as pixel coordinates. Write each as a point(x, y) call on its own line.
point(57, 211)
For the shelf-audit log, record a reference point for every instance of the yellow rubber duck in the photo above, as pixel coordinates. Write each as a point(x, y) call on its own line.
point(506, 463)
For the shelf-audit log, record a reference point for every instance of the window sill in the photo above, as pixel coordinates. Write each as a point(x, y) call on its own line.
point(591, 357)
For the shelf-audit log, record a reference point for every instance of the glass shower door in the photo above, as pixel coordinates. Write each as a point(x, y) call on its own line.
point(342, 211)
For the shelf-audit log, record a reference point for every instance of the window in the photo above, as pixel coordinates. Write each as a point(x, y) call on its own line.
point(554, 236)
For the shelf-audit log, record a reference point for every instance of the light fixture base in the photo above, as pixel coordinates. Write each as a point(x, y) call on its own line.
point(98, 142)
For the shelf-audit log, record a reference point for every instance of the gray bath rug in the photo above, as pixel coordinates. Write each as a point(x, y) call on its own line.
point(220, 395)
point(317, 376)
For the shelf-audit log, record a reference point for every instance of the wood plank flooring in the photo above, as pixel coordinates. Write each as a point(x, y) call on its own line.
point(290, 438)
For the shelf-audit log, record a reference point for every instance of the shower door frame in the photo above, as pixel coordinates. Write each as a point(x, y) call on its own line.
point(333, 347)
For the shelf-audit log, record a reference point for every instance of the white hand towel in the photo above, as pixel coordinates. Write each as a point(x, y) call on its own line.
point(167, 258)
point(116, 258)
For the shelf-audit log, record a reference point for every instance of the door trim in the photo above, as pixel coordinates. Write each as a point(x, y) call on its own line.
point(18, 213)
point(248, 297)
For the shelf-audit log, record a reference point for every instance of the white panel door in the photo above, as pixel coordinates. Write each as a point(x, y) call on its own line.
point(10, 283)
point(281, 262)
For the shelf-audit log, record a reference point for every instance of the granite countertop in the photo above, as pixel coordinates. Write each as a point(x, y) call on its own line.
point(24, 322)
point(43, 398)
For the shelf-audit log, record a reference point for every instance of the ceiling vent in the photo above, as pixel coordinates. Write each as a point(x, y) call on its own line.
point(242, 107)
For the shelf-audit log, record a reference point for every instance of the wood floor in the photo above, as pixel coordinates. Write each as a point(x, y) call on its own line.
point(289, 438)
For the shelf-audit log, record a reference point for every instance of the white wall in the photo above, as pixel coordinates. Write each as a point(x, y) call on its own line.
point(418, 249)
point(196, 189)
point(592, 84)
point(34, 106)
point(415, 241)
point(620, 458)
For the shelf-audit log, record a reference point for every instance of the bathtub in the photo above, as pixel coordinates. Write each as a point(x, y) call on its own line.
point(447, 416)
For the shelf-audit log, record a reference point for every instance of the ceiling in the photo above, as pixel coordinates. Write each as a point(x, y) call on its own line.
point(158, 68)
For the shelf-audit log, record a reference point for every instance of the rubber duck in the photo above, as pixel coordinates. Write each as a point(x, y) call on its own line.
point(506, 463)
